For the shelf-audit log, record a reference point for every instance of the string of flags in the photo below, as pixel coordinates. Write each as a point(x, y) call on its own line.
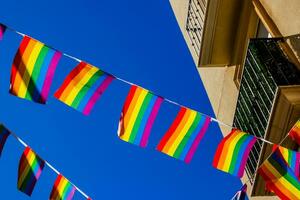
point(280, 170)
point(32, 72)
point(30, 168)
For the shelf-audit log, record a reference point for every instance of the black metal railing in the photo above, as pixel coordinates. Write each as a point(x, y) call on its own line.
point(266, 67)
point(195, 22)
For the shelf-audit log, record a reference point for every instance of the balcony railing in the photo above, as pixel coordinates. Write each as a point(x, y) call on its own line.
point(266, 68)
point(195, 23)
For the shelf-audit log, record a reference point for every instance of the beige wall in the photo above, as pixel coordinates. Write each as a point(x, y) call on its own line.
point(222, 92)
point(265, 198)
point(285, 14)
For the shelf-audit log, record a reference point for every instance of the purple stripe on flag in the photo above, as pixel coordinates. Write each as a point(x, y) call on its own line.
point(243, 163)
point(97, 94)
point(194, 146)
point(297, 166)
point(49, 76)
point(2, 30)
point(150, 122)
point(71, 194)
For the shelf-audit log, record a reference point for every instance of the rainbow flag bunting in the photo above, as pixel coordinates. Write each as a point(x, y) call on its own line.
point(32, 70)
point(291, 157)
point(83, 86)
point(279, 177)
point(139, 112)
point(295, 132)
point(4, 133)
point(241, 194)
point(184, 135)
point(30, 169)
point(2, 30)
point(233, 151)
point(62, 189)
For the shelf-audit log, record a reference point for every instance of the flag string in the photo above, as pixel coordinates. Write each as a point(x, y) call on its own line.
point(252, 178)
point(46, 162)
point(166, 99)
point(130, 83)
point(279, 144)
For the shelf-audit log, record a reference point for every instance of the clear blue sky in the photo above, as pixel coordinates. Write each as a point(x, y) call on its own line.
point(139, 41)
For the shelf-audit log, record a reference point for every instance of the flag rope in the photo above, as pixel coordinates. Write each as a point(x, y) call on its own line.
point(280, 143)
point(256, 170)
point(47, 163)
point(130, 83)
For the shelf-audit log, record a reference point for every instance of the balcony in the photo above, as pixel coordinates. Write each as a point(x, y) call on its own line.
point(268, 102)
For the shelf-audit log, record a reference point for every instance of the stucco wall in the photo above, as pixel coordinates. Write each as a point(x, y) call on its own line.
point(222, 92)
point(285, 14)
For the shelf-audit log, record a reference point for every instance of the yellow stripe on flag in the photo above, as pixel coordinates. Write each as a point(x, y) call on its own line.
point(128, 114)
point(62, 184)
point(134, 114)
point(74, 92)
point(230, 148)
point(30, 158)
point(281, 179)
point(73, 83)
point(182, 132)
point(22, 67)
point(176, 132)
point(29, 68)
point(284, 153)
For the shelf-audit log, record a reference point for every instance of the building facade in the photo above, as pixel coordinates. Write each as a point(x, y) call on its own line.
point(253, 84)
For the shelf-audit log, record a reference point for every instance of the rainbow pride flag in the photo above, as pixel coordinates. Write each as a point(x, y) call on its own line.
point(139, 112)
point(2, 30)
point(83, 86)
point(4, 133)
point(184, 135)
point(233, 151)
point(30, 169)
point(295, 132)
point(62, 189)
point(279, 177)
point(32, 70)
point(291, 157)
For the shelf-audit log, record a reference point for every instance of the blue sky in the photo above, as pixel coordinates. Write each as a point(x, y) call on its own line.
point(139, 41)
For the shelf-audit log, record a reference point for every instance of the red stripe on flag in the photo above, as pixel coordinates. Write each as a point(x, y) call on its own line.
point(17, 61)
point(69, 78)
point(54, 192)
point(220, 149)
point(23, 160)
point(129, 99)
point(171, 130)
